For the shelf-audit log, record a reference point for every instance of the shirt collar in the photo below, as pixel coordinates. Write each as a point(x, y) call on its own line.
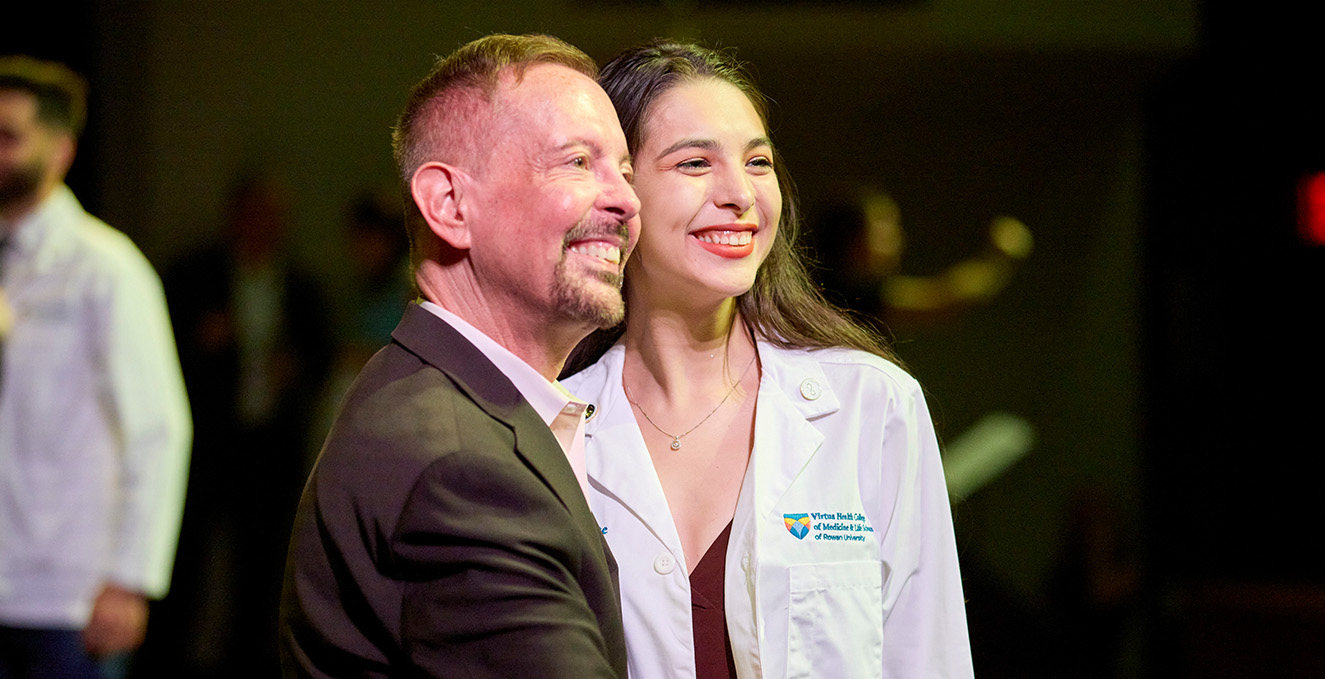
point(38, 230)
point(547, 398)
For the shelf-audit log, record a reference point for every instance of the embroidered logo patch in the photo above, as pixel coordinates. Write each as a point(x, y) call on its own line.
point(830, 526)
point(797, 524)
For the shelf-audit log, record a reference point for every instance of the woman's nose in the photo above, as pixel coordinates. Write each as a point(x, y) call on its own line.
point(736, 191)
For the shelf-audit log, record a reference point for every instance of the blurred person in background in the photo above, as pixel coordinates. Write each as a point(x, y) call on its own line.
point(379, 257)
point(379, 286)
point(94, 421)
point(256, 343)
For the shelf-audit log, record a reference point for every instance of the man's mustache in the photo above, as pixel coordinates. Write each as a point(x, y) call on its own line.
point(598, 228)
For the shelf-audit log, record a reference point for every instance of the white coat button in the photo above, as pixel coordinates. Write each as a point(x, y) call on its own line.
point(664, 564)
point(811, 390)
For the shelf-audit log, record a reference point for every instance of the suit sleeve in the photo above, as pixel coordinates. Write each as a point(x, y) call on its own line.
point(489, 557)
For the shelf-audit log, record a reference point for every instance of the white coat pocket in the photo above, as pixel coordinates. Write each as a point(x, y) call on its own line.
point(835, 620)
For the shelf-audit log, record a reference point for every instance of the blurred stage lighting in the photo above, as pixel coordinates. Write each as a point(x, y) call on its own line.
point(1311, 208)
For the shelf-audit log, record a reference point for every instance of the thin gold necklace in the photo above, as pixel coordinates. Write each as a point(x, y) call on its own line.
point(676, 438)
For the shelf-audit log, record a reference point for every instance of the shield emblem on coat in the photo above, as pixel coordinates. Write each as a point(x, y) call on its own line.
point(797, 524)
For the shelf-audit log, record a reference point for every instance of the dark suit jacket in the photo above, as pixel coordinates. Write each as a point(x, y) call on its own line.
point(443, 534)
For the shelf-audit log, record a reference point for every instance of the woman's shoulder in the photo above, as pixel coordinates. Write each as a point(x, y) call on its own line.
point(841, 365)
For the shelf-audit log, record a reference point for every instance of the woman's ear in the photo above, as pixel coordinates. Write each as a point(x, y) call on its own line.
point(438, 190)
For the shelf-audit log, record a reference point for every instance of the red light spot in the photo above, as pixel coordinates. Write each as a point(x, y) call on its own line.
point(1311, 208)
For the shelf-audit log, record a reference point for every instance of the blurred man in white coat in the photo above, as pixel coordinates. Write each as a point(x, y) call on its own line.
point(94, 422)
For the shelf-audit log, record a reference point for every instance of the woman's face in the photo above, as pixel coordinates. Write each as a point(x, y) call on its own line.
point(708, 191)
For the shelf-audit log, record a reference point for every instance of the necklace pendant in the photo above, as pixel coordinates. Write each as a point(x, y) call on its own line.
point(676, 443)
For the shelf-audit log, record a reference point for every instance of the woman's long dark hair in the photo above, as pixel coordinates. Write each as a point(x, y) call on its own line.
point(784, 306)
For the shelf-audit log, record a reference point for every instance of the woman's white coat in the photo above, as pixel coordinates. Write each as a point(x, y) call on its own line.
point(841, 562)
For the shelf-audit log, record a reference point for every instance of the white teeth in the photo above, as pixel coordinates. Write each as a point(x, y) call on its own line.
point(598, 250)
point(726, 237)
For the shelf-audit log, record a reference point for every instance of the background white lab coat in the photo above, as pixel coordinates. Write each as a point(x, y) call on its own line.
point(873, 591)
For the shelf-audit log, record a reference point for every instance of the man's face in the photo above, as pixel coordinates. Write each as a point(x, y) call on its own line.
point(554, 216)
point(27, 149)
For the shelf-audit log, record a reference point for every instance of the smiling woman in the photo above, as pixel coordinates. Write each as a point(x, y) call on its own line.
point(735, 402)
point(709, 192)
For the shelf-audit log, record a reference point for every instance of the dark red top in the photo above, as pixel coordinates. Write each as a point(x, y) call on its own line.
point(713, 646)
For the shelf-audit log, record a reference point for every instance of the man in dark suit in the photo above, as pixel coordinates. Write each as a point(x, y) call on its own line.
point(444, 531)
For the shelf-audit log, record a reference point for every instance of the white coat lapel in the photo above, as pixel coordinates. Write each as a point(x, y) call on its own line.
point(792, 393)
point(628, 472)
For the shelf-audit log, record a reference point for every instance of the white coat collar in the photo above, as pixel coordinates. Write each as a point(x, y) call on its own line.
point(45, 235)
point(618, 463)
point(793, 392)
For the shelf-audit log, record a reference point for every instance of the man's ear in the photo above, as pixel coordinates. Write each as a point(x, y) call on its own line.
point(64, 146)
point(438, 190)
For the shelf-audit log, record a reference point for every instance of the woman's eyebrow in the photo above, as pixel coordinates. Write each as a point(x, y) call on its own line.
point(690, 142)
point(712, 145)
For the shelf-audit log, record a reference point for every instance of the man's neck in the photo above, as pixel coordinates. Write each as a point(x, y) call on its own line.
point(12, 212)
point(542, 344)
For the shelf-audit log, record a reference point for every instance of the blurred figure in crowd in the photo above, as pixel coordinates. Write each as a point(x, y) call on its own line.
point(379, 258)
point(859, 243)
point(256, 346)
point(94, 423)
point(380, 286)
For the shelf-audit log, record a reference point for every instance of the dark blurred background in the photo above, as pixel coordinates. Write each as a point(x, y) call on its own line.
point(1161, 519)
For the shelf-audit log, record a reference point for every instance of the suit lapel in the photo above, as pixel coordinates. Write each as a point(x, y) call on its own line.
point(435, 342)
